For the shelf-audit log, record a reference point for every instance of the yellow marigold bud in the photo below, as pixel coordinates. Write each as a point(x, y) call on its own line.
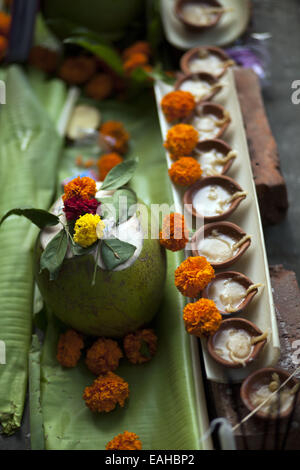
point(87, 230)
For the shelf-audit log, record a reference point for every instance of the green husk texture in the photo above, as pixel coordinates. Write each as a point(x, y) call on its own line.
point(161, 407)
point(28, 160)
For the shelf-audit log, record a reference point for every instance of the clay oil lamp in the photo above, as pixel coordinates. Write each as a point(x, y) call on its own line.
point(198, 15)
point(203, 86)
point(264, 390)
point(237, 343)
point(213, 198)
point(210, 119)
point(209, 59)
point(215, 157)
point(231, 291)
point(222, 243)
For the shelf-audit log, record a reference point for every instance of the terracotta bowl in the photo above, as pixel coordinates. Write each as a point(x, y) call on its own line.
point(228, 228)
point(206, 108)
point(192, 26)
point(239, 324)
point(225, 182)
point(262, 377)
point(193, 53)
point(200, 76)
point(220, 146)
point(237, 277)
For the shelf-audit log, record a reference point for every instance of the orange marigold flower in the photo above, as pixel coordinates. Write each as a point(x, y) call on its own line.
point(193, 275)
point(135, 60)
point(69, 348)
point(107, 162)
point(5, 22)
point(125, 441)
point(174, 234)
point(43, 58)
point(181, 139)
point(185, 171)
point(83, 187)
point(78, 70)
point(115, 136)
point(142, 47)
point(106, 393)
point(202, 318)
point(178, 105)
point(140, 346)
point(3, 47)
point(100, 86)
point(103, 356)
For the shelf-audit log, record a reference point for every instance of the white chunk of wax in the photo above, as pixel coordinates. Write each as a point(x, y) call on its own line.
point(211, 200)
point(198, 14)
point(227, 293)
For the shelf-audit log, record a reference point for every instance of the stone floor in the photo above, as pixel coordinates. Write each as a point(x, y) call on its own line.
point(281, 19)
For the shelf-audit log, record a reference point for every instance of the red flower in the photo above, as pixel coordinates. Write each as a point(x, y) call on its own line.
point(75, 207)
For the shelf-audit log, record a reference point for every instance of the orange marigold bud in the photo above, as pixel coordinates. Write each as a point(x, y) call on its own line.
point(103, 356)
point(174, 234)
point(193, 275)
point(43, 58)
point(83, 187)
point(5, 22)
point(107, 162)
point(142, 47)
point(140, 346)
point(181, 139)
point(106, 393)
point(3, 47)
point(69, 348)
point(125, 441)
point(185, 171)
point(78, 70)
point(135, 60)
point(100, 86)
point(114, 136)
point(202, 318)
point(178, 105)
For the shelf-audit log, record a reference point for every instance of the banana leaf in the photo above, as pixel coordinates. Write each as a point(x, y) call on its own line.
point(29, 153)
point(162, 404)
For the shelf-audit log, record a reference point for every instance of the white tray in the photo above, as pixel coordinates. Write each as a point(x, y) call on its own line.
point(231, 26)
point(253, 263)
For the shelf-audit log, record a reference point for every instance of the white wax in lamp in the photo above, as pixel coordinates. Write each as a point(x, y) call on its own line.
point(199, 88)
point(217, 247)
point(233, 345)
point(209, 63)
point(211, 200)
point(212, 162)
point(227, 294)
point(198, 14)
point(207, 126)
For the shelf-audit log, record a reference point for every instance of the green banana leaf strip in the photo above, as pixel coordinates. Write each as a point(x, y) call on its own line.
point(28, 160)
point(36, 416)
point(161, 408)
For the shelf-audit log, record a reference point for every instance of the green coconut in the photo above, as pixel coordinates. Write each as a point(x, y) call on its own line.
point(120, 301)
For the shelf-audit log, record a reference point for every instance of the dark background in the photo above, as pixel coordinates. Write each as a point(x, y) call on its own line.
point(282, 20)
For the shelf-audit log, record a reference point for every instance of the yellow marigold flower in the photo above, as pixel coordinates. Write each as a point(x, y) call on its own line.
point(106, 393)
point(178, 105)
point(202, 318)
point(174, 234)
point(83, 187)
point(103, 356)
point(125, 441)
point(88, 229)
point(193, 275)
point(185, 171)
point(69, 348)
point(140, 346)
point(181, 140)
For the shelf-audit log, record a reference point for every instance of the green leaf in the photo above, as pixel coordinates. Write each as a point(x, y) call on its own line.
point(124, 201)
point(78, 250)
point(115, 252)
point(39, 217)
point(120, 174)
point(102, 50)
point(37, 439)
point(159, 74)
point(54, 254)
